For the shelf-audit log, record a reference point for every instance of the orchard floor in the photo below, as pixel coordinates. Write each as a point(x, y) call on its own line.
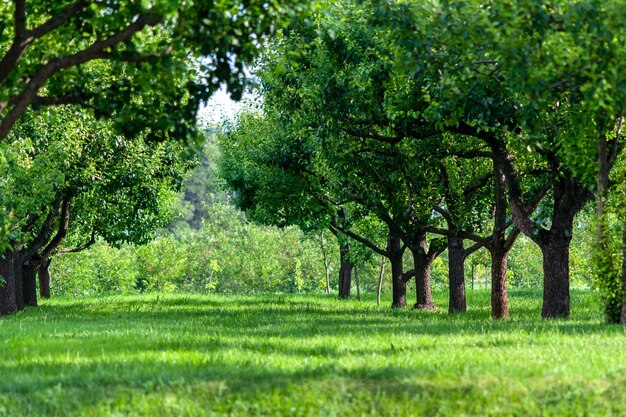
point(307, 355)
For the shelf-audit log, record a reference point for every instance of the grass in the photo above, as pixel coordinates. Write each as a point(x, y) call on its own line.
point(279, 355)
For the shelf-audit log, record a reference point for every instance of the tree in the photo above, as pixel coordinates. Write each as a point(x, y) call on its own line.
point(48, 46)
point(514, 76)
point(119, 189)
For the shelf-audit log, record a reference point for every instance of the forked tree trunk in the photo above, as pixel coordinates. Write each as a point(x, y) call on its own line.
point(456, 275)
point(345, 273)
point(8, 304)
point(44, 279)
point(422, 262)
point(397, 274)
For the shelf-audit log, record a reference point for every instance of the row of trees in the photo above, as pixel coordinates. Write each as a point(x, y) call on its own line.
point(98, 104)
point(426, 125)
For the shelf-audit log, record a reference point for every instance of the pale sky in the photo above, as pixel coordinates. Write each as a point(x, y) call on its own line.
point(219, 108)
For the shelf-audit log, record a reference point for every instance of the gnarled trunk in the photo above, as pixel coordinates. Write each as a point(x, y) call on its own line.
point(345, 272)
point(422, 262)
point(8, 303)
point(44, 279)
point(397, 273)
point(456, 275)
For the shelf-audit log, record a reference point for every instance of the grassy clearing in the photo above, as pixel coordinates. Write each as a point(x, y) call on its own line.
point(187, 355)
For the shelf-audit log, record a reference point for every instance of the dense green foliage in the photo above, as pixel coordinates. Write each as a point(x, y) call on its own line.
point(194, 355)
point(227, 254)
point(210, 259)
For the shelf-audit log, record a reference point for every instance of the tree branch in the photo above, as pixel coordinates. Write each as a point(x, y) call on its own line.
point(61, 232)
point(44, 233)
point(80, 248)
point(360, 239)
point(23, 38)
point(98, 50)
point(467, 252)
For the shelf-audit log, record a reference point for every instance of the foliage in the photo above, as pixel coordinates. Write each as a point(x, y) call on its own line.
point(197, 355)
point(227, 254)
point(55, 54)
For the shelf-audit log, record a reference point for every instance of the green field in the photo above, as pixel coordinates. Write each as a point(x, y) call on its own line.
point(289, 355)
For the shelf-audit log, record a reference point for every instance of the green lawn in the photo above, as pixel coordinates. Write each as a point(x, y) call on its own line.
point(279, 355)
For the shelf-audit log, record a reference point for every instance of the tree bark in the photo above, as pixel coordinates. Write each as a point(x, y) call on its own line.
point(380, 280)
point(498, 249)
point(422, 262)
point(456, 275)
point(29, 282)
point(622, 316)
point(556, 298)
point(345, 272)
point(397, 274)
point(44, 279)
point(356, 279)
point(8, 304)
point(17, 276)
point(499, 294)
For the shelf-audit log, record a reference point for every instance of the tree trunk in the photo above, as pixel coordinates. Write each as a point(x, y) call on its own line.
point(422, 262)
point(499, 295)
point(356, 279)
point(622, 317)
point(44, 279)
point(17, 276)
point(397, 273)
point(326, 266)
point(499, 251)
point(456, 275)
point(8, 304)
point(556, 298)
point(555, 244)
point(29, 282)
point(380, 280)
point(345, 272)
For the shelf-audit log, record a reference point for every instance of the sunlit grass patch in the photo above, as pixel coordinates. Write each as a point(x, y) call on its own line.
point(307, 355)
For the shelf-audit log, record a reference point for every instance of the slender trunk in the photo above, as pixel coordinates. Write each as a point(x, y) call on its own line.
point(44, 279)
point(422, 262)
point(326, 266)
point(356, 279)
point(397, 274)
point(29, 282)
point(622, 317)
point(380, 280)
point(456, 275)
point(327, 274)
point(345, 272)
point(556, 298)
point(208, 287)
point(8, 304)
